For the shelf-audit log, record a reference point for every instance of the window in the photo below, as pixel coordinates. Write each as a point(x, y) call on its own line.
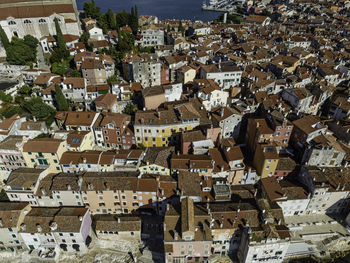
point(41, 20)
point(27, 21)
point(12, 23)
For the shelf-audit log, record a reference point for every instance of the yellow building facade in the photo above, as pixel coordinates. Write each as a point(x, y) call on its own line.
point(157, 128)
point(44, 153)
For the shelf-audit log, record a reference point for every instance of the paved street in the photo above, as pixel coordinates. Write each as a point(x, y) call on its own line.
point(41, 59)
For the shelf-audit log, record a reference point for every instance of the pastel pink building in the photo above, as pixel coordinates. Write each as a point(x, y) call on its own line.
point(191, 242)
point(11, 156)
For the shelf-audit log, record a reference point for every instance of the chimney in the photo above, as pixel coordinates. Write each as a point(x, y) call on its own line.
point(39, 228)
point(53, 226)
point(80, 181)
point(225, 18)
point(118, 219)
point(176, 236)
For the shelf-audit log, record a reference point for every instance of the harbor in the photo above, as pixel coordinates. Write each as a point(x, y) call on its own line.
point(229, 6)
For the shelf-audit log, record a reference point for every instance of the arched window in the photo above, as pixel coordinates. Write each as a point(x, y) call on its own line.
point(41, 20)
point(12, 23)
point(27, 21)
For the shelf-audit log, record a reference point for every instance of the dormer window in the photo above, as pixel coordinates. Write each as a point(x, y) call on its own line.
point(12, 23)
point(27, 21)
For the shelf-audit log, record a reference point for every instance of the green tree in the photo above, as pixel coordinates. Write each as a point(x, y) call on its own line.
point(61, 48)
point(73, 73)
point(122, 18)
point(168, 29)
point(11, 110)
point(31, 41)
point(125, 42)
point(60, 68)
point(38, 108)
point(147, 49)
point(91, 9)
point(130, 108)
point(84, 37)
point(20, 53)
point(3, 38)
point(25, 90)
point(181, 28)
point(112, 20)
point(112, 78)
point(134, 20)
point(3, 196)
point(62, 103)
point(136, 11)
point(5, 97)
point(19, 99)
point(103, 22)
point(43, 135)
point(231, 19)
